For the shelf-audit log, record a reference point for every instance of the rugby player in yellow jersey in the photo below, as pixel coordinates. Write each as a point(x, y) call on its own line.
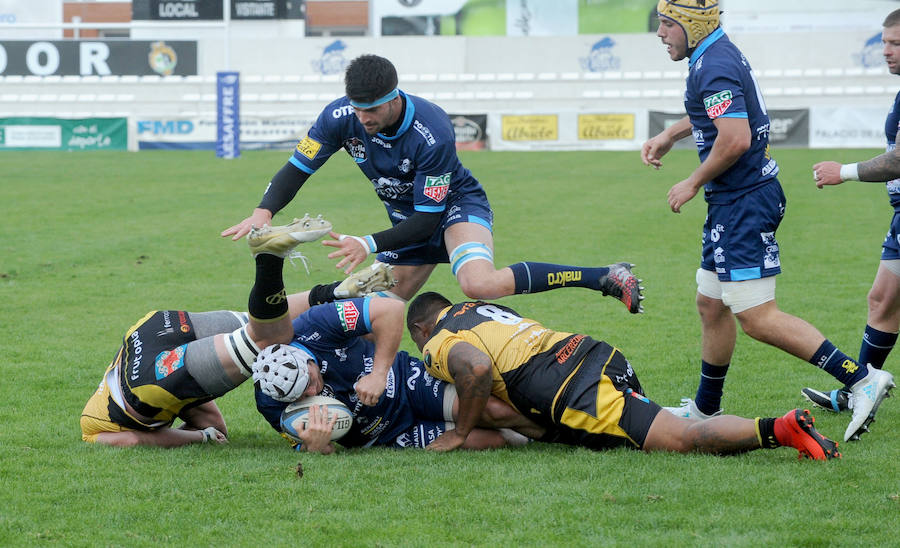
point(583, 391)
point(173, 364)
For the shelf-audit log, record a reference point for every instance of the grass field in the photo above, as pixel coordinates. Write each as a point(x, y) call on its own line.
point(92, 241)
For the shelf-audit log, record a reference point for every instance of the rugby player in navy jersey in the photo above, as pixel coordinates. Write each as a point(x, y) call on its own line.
point(581, 390)
point(172, 364)
point(883, 321)
point(405, 146)
point(346, 343)
point(740, 257)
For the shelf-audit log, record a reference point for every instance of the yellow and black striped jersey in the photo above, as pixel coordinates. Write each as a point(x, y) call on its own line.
point(532, 365)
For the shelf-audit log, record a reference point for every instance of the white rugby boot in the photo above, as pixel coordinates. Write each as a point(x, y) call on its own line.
point(865, 398)
point(372, 279)
point(688, 410)
point(281, 240)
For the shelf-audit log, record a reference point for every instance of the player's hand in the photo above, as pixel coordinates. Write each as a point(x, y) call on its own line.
point(316, 435)
point(211, 433)
point(827, 173)
point(259, 218)
point(349, 248)
point(448, 441)
point(680, 194)
point(370, 388)
point(654, 149)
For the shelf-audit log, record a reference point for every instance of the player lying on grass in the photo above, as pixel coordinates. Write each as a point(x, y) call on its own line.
point(173, 364)
point(350, 352)
point(583, 391)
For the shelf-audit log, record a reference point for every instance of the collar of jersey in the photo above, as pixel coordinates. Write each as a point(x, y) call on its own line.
point(708, 41)
point(407, 120)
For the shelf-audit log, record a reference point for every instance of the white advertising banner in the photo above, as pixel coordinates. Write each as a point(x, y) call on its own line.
point(199, 132)
point(567, 130)
point(15, 13)
point(847, 127)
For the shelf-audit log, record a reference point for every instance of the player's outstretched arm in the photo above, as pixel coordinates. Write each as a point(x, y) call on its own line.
point(386, 316)
point(471, 371)
point(165, 437)
point(257, 219)
point(882, 168)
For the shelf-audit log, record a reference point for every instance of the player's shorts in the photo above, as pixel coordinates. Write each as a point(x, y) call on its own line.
point(472, 207)
point(604, 404)
point(739, 237)
point(420, 435)
point(890, 248)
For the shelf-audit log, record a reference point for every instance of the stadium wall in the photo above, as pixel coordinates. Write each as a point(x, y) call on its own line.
point(578, 92)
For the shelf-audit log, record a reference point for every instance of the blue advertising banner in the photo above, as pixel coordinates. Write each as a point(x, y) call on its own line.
point(228, 115)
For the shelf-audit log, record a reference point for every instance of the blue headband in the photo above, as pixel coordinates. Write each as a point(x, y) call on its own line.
point(391, 95)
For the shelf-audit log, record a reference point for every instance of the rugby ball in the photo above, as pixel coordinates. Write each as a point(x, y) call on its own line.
point(295, 415)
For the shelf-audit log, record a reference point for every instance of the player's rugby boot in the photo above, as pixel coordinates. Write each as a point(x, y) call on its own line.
point(796, 430)
point(836, 400)
point(689, 410)
point(372, 279)
point(620, 283)
point(281, 240)
point(865, 398)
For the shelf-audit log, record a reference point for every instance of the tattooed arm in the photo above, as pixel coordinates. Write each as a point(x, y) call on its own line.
point(879, 169)
point(471, 370)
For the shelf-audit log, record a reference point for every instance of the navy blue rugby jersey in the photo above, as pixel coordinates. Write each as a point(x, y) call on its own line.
point(332, 333)
point(720, 83)
point(415, 170)
point(890, 132)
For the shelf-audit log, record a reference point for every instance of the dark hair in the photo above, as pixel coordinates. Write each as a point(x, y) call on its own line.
point(425, 306)
point(892, 19)
point(369, 77)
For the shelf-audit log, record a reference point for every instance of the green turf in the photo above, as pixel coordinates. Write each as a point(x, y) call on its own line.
point(91, 241)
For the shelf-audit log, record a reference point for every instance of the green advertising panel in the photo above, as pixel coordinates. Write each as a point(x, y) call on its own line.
point(32, 133)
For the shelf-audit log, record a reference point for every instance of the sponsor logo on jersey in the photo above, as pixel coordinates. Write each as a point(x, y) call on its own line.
point(717, 103)
point(183, 321)
point(136, 365)
point(405, 165)
point(380, 141)
point(169, 361)
point(348, 314)
point(424, 132)
point(309, 147)
point(356, 149)
point(437, 187)
point(566, 351)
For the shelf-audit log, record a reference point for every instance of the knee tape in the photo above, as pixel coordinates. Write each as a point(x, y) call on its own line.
point(242, 349)
point(469, 251)
point(740, 296)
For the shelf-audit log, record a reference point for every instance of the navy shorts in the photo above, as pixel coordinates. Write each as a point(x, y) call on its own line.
point(890, 249)
point(739, 238)
point(468, 208)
